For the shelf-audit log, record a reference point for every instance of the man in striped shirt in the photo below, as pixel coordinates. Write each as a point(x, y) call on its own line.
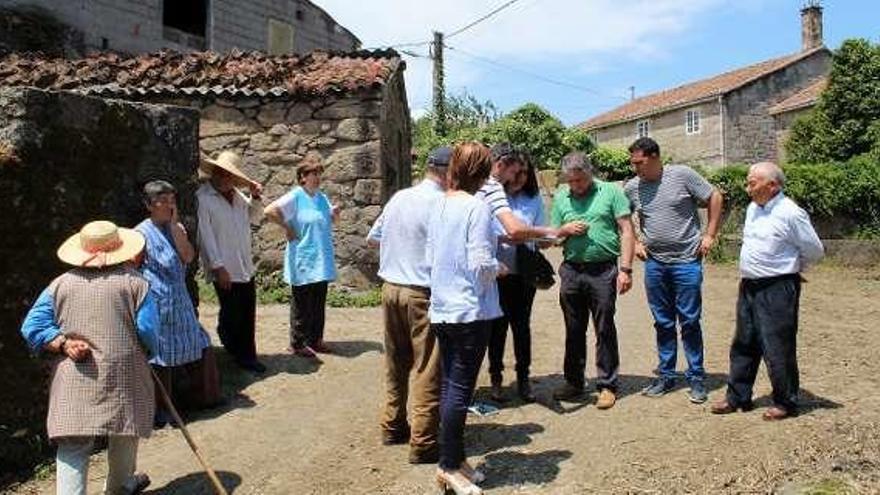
point(506, 163)
point(666, 199)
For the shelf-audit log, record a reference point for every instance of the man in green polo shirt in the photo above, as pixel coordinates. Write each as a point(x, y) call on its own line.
point(589, 277)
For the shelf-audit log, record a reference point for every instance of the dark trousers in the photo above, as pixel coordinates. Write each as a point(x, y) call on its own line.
point(590, 289)
point(766, 326)
point(235, 323)
point(307, 309)
point(516, 296)
point(462, 348)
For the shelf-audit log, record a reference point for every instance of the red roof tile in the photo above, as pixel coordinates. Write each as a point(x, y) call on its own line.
point(235, 73)
point(804, 98)
point(693, 92)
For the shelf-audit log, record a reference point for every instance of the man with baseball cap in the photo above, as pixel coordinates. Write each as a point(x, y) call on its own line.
point(400, 232)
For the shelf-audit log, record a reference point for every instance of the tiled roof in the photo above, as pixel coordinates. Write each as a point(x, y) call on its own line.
point(233, 74)
point(693, 92)
point(804, 98)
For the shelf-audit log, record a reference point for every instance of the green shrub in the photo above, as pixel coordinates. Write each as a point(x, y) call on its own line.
point(827, 190)
point(611, 163)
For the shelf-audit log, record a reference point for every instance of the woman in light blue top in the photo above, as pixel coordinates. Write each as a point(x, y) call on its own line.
point(307, 217)
point(184, 353)
point(516, 294)
point(464, 299)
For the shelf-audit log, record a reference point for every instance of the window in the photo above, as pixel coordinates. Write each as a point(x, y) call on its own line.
point(692, 122)
point(280, 40)
point(190, 17)
point(643, 129)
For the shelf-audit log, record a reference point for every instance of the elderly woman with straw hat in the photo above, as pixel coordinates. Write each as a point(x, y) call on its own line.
point(184, 361)
point(97, 318)
point(225, 218)
point(307, 217)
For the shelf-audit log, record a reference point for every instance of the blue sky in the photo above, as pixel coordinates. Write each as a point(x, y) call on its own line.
point(594, 50)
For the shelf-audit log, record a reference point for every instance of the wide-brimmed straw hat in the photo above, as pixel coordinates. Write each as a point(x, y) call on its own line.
point(101, 243)
point(229, 161)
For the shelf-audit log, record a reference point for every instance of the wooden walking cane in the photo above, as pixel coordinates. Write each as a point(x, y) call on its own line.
point(218, 487)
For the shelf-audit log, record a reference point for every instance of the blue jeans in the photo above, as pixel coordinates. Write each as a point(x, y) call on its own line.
point(674, 296)
point(462, 348)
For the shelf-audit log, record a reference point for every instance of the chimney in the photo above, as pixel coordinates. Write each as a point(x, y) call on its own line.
point(811, 25)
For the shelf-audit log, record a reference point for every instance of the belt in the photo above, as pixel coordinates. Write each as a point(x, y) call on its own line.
point(419, 288)
point(757, 283)
point(586, 265)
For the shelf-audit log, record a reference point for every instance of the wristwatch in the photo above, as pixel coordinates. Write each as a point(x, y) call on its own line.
point(625, 269)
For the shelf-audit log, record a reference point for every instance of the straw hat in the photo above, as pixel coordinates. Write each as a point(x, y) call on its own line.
point(229, 161)
point(101, 243)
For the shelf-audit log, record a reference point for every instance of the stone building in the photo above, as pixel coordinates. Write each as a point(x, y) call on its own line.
point(793, 107)
point(349, 111)
point(66, 159)
point(139, 26)
point(727, 118)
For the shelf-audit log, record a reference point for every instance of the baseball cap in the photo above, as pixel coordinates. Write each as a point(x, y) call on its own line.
point(439, 157)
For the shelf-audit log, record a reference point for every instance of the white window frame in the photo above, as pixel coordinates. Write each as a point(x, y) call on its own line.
point(643, 128)
point(692, 122)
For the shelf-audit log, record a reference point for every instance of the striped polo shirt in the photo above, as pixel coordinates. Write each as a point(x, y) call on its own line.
point(493, 194)
point(667, 209)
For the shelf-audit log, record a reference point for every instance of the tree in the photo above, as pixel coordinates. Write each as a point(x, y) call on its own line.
point(846, 120)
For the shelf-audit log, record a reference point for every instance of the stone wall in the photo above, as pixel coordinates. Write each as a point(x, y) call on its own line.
point(669, 130)
point(362, 140)
point(749, 129)
point(782, 127)
point(64, 160)
point(136, 26)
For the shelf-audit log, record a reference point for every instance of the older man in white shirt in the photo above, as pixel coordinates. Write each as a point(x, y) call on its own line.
point(401, 232)
point(779, 242)
point(225, 218)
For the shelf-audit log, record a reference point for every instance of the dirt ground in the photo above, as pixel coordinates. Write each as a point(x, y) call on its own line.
point(305, 428)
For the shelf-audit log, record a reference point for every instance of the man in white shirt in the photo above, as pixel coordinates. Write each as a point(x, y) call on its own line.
point(225, 218)
point(400, 232)
point(779, 242)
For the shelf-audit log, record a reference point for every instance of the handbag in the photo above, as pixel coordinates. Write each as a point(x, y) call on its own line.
point(534, 267)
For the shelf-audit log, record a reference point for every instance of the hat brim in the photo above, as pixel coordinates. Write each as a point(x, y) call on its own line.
point(207, 166)
point(71, 251)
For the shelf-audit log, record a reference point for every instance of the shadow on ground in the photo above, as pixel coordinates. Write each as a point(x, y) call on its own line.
point(807, 402)
point(483, 438)
point(544, 386)
point(197, 484)
point(516, 468)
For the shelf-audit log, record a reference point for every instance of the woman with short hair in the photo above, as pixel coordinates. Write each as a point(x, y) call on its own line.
point(307, 217)
point(184, 356)
point(464, 300)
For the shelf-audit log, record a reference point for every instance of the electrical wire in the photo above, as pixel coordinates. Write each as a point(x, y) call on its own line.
point(482, 19)
point(531, 74)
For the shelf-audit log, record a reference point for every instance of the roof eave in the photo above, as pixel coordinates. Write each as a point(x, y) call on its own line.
point(652, 113)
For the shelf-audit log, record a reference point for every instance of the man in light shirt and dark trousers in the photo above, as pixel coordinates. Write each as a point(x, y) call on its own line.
point(225, 218)
point(400, 232)
point(779, 242)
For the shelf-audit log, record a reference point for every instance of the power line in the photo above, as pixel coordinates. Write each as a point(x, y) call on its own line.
point(531, 74)
point(481, 19)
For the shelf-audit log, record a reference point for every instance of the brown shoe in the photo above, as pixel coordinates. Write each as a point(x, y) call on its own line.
point(775, 413)
point(606, 399)
point(724, 407)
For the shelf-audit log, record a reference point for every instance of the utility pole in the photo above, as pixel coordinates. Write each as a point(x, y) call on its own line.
point(439, 88)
